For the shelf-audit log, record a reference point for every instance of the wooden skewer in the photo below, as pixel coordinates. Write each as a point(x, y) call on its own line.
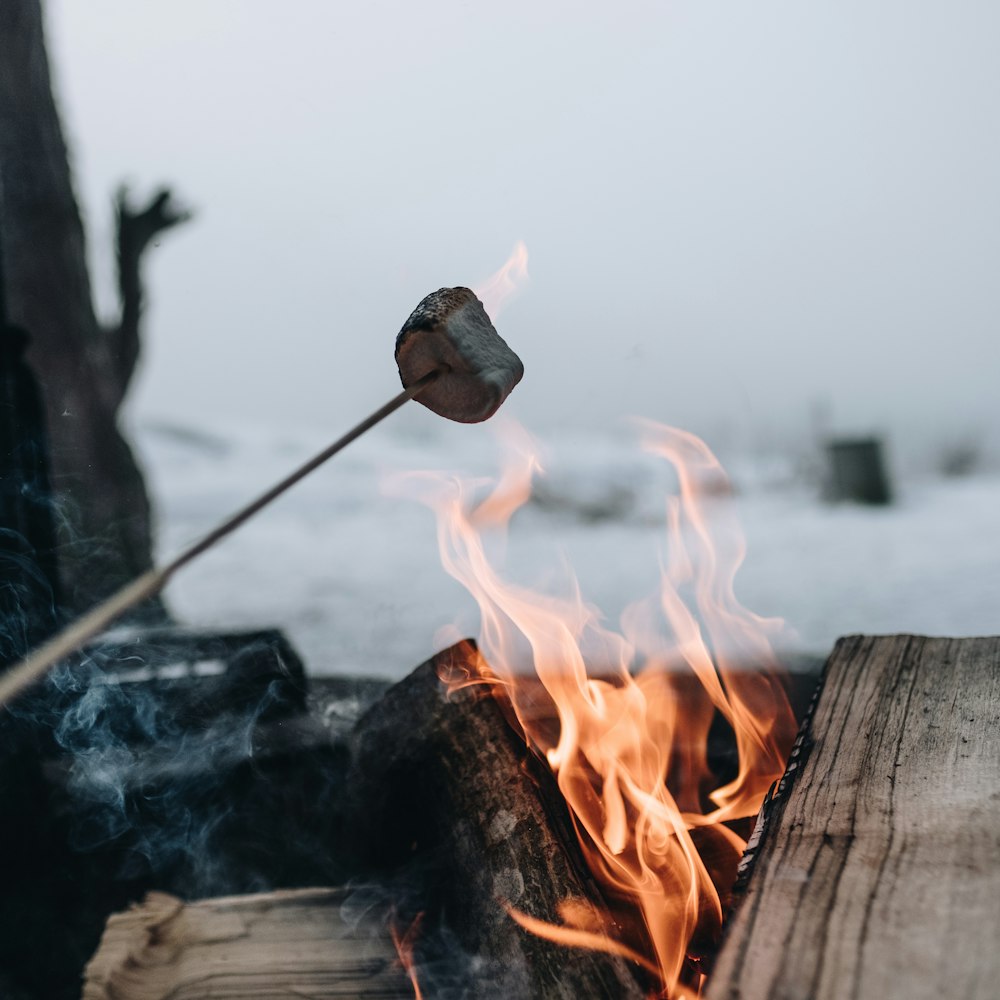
point(40, 661)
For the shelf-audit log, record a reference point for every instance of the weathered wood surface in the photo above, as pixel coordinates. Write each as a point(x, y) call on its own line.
point(290, 944)
point(878, 872)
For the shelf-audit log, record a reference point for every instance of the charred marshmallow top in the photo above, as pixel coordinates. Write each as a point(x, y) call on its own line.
point(450, 327)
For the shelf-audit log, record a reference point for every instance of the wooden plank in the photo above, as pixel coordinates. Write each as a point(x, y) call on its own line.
point(289, 944)
point(877, 874)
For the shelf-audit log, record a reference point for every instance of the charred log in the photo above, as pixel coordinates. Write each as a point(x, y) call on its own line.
point(445, 793)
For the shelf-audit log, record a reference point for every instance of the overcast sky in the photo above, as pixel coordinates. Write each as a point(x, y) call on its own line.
point(734, 211)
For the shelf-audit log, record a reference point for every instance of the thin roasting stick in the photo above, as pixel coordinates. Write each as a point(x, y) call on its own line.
point(39, 662)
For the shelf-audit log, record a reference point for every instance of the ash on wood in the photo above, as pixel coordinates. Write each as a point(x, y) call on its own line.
point(449, 796)
point(271, 945)
point(877, 872)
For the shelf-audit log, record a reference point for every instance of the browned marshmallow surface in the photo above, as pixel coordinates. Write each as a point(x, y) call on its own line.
point(450, 327)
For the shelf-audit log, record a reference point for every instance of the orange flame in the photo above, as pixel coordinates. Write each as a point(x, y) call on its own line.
point(634, 709)
point(497, 291)
point(403, 943)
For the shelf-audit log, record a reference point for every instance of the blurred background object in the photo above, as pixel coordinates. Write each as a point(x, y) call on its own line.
point(84, 368)
point(857, 471)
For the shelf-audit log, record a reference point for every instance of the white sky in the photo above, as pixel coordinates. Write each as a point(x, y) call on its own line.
point(733, 210)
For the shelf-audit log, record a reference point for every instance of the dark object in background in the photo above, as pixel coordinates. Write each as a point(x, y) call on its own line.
point(173, 681)
point(84, 370)
point(448, 806)
point(179, 761)
point(856, 471)
point(28, 571)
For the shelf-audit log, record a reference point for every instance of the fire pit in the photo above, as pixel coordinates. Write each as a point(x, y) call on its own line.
point(462, 815)
point(601, 808)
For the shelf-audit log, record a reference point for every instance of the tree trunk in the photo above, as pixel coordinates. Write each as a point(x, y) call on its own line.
point(102, 508)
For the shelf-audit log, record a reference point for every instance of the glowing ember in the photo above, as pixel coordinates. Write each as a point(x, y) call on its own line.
point(403, 942)
point(496, 292)
point(630, 751)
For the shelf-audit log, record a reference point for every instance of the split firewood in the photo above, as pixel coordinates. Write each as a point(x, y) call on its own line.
point(875, 870)
point(273, 945)
point(445, 792)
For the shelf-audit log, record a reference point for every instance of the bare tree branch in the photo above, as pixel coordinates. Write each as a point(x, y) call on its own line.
point(136, 229)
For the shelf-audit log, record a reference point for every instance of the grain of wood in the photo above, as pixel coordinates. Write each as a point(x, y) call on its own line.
point(878, 872)
point(269, 946)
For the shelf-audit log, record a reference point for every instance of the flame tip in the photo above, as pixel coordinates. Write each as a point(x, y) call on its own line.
point(499, 289)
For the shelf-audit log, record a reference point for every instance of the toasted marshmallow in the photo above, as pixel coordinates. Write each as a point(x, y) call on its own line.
point(450, 329)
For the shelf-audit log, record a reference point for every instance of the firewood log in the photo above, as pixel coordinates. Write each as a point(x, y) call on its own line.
point(446, 785)
point(875, 870)
point(290, 944)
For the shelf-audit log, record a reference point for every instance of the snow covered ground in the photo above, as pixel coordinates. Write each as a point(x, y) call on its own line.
point(354, 578)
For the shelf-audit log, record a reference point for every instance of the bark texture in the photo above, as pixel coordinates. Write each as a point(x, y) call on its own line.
point(444, 786)
point(875, 870)
point(84, 371)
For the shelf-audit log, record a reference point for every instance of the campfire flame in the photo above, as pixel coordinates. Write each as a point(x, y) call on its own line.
point(661, 833)
point(497, 291)
point(403, 942)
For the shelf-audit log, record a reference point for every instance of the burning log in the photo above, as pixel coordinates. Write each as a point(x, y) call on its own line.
point(445, 791)
point(875, 869)
point(661, 829)
point(274, 944)
point(445, 809)
point(450, 814)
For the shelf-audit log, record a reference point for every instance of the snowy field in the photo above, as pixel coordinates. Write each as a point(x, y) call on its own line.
point(353, 575)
